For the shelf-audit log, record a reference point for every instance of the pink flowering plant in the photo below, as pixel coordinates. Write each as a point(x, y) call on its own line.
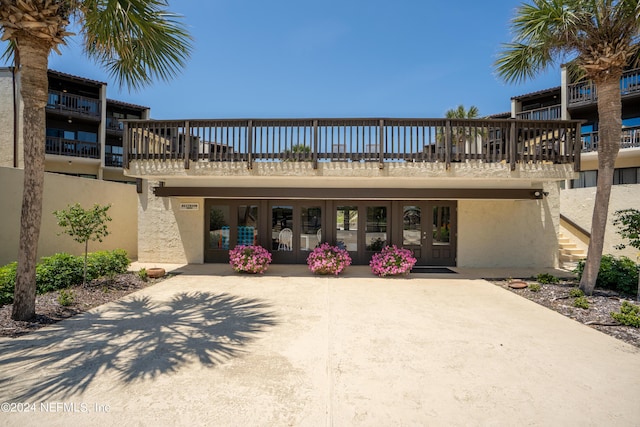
point(392, 261)
point(249, 259)
point(327, 259)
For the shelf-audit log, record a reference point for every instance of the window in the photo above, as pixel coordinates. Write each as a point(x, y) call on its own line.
point(626, 176)
point(87, 136)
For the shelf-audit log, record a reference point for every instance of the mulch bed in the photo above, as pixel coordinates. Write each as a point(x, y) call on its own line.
point(49, 310)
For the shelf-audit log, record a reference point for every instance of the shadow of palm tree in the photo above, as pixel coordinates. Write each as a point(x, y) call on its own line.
point(133, 340)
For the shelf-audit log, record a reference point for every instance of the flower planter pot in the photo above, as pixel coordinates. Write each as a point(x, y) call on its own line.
point(155, 273)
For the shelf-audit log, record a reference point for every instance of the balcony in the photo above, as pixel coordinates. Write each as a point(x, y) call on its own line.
point(113, 160)
point(73, 105)
point(584, 93)
point(546, 113)
point(72, 148)
point(320, 142)
point(630, 138)
point(114, 125)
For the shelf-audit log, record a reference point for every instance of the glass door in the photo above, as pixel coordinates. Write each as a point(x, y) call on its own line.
point(229, 223)
point(346, 229)
point(429, 231)
point(296, 229)
point(282, 233)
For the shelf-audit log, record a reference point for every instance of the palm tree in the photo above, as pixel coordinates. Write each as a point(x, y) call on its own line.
point(461, 113)
point(136, 40)
point(600, 38)
point(461, 136)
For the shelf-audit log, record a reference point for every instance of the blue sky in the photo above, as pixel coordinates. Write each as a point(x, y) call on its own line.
point(349, 58)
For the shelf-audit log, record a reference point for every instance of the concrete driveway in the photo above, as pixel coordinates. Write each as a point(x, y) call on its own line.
point(292, 349)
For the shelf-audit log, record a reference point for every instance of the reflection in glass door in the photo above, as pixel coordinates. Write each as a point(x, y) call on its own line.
point(247, 225)
point(442, 247)
point(347, 227)
point(282, 228)
point(219, 227)
point(310, 228)
point(376, 228)
point(412, 229)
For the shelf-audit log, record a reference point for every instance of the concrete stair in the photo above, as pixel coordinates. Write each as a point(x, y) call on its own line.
point(570, 253)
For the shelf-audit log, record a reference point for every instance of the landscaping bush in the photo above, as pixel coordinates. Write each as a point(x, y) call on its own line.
point(7, 282)
point(66, 297)
point(58, 271)
point(327, 259)
point(392, 261)
point(62, 270)
point(619, 274)
point(629, 314)
point(249, 259)
point(535, 287)
point(581, 302)
point(547, 279)
point(576, 292)
point(107, 263)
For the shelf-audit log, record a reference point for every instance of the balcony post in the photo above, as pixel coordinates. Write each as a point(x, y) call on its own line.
point(577, 147)
point(250, 144)
point(125, 145)
point(447, 144)
point(315, 144)
point(512, 146)
point(187, 144)
point(381, 150)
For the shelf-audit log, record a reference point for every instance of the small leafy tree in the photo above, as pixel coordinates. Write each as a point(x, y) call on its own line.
point(84, 225)
point(628, 223)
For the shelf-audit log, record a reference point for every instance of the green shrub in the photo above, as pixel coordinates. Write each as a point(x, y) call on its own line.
point(7, 282)
point(58, 271)
point(534, 287)
point(107, 263)
point(546, 278)
point(619, 274)
point(581, 302)
point(629, 314)
point(142, 273)
point(576, 292)
point(66, 297)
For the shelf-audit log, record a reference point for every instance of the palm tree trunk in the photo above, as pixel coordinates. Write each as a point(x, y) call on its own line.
point(34, 87)
point(610, 130)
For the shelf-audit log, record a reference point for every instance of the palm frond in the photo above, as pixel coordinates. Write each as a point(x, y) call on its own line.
point(138, 41)
point(519, 61)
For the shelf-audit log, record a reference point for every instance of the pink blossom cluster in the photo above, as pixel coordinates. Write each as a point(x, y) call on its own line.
point(249, 259)
point(327, 259)
point(392, 261)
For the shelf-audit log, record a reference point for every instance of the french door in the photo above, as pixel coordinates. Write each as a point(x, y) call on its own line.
point(428, 229)
point(296, 228)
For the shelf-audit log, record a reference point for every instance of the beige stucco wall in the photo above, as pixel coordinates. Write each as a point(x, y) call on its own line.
point(6, 118)
point(166, 233)
point(627, 158)
point(577, 204)
point(509, 233)
point(59, 192)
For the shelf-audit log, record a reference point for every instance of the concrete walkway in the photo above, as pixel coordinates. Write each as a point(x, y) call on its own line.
point(208, 347)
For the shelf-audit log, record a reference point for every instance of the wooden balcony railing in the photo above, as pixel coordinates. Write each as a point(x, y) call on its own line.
point(352, 140)
point(72, 147)
point(586, 93)
point(630, 138)
point(546, 113)
point(78, 105)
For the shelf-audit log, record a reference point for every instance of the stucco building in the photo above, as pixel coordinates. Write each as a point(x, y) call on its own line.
point(84, 129)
